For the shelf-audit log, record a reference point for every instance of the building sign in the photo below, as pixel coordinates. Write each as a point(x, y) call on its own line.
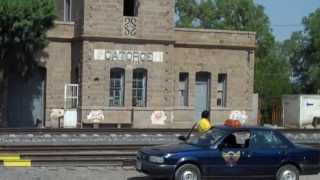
point(131, 56)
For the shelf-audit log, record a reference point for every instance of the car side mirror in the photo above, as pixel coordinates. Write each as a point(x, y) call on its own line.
point(182, 138)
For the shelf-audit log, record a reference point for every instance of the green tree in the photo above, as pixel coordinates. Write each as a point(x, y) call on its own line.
point(293, 50)
point(243, 15)
point(23, 28)
point(303, 50)
point(186, 10)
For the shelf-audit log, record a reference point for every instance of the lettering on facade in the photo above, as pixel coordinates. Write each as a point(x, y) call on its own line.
point(130, 56)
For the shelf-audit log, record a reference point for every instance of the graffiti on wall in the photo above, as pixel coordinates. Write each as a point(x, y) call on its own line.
point(96, 116)
point(242, 116)
point(158, 118)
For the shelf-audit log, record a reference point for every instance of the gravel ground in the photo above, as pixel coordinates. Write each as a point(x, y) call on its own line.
point(80, 173)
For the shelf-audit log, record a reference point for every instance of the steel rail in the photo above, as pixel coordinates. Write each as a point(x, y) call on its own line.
point(100, 130)
point(125, 130)
point(104, 155)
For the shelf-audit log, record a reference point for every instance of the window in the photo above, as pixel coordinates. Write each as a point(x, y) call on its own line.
point(209, 138)
point(266, 139)
point(222, 90)
point(139, 88)
point(183, 89)
point(116, 87)
point(239, 139)
point(71, 94)
point(130, 7)
point(67, 10)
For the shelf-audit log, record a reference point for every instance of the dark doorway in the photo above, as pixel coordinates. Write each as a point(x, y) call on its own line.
point(26, 99)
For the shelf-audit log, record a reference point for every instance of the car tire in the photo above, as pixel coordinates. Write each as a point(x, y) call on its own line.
point(288, 172)
point(187, 172)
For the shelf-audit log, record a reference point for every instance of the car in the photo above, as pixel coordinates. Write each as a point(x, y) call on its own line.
point(225, 151)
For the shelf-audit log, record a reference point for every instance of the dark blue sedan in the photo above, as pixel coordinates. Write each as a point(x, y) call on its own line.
point(230, 152)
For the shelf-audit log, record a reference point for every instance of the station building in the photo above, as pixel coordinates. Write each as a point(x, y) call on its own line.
point(123, 63)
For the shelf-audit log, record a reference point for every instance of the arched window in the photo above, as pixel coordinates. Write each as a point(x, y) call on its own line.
point(139, 88)
point(116, 87)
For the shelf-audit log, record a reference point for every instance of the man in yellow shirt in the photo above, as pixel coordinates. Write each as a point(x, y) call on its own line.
point(204, 124)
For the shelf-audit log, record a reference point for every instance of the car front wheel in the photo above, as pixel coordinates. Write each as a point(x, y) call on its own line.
point(188, 172)
point(288, 172)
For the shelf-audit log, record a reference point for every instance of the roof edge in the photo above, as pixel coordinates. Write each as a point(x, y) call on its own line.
point(214, 31)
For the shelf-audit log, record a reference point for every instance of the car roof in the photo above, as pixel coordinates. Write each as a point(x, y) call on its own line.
point(243, 128)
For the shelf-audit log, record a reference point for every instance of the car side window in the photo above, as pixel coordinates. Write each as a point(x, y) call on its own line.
point(266, 139)
point(240, 139)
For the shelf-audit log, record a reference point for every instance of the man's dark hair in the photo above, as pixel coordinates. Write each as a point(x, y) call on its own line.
point(205, 114)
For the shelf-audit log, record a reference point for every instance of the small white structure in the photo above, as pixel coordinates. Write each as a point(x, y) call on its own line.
point(300, 110)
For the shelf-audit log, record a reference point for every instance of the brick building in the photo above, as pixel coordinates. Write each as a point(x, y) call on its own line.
point(122, 63)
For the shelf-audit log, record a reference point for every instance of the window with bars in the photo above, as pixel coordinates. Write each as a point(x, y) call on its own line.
point(139, 88)
point(183, 89)
point(116, 87)
point(222, 90)
point(71, 96)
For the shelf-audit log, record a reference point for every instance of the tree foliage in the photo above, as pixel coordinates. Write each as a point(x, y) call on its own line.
point(23, 28)
point(303, 50)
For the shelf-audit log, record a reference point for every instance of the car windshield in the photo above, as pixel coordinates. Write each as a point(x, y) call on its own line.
point(207, 139)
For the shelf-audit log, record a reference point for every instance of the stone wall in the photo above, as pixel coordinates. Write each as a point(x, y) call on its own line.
point(218, 38)
point(96, 78)
point(214, 60)
point(58, 63)
point(105, 19)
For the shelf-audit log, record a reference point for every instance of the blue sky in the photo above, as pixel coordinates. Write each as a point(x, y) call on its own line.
point(286, 15)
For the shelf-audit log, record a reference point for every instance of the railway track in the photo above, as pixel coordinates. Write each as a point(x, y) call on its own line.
point(96, 155)
point(106, 155)
point(93, 154)
point(90, 130)
point(125, 130)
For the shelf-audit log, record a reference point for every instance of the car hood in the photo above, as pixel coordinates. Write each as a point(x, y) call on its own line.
point(171, 148)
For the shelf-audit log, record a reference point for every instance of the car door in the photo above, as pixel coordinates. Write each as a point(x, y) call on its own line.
point(231, 157)
point(267, 151)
